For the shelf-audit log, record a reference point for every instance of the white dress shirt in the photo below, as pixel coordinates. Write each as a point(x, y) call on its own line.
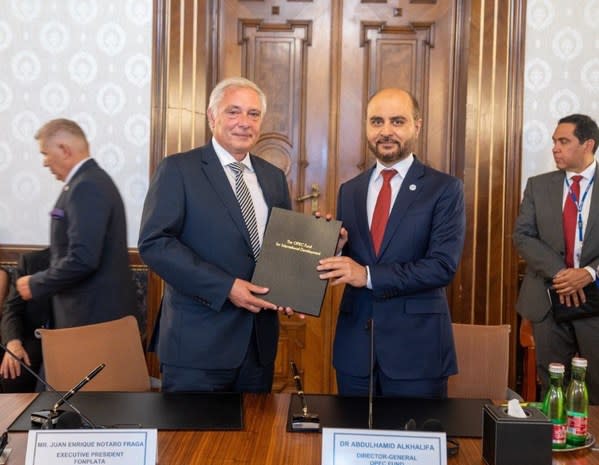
point(587, 175)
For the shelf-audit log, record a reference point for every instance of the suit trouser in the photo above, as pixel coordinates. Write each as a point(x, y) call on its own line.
point(432, 388)
point(251, 376)
point(559, 342)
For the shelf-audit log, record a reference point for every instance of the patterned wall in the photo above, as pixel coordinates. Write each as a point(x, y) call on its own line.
point(561, 73)
point(87, 60)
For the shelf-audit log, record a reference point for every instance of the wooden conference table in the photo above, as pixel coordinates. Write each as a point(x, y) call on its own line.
point(264, 441)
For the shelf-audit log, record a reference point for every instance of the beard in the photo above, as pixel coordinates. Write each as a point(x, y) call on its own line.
point(402, 150)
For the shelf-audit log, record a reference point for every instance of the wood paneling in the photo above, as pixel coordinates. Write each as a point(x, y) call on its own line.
point(9, 255)
point(486, 285)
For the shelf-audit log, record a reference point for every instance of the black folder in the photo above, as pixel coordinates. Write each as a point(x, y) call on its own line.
point(293, 245)
point(458, 417)
point(164, 411)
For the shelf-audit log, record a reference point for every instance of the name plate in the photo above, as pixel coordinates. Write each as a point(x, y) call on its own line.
point(91, 447)
point(342, 446)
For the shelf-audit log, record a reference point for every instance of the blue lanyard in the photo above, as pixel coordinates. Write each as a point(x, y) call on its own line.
point(581, 204)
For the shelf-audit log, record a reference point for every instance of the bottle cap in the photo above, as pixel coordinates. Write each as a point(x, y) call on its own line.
point(557, 368)
point(579, 362)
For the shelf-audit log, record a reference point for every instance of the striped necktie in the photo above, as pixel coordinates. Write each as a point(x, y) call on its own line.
point(247, 207)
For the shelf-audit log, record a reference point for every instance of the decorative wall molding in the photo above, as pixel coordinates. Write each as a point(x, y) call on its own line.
point(561, 74)
point(89, 61)
point(274, 56)
point(405, 50)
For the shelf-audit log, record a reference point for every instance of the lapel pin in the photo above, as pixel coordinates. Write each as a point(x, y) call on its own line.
point(66, 188)
point(412, 187)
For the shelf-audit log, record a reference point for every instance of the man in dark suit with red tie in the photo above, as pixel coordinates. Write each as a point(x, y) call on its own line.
point(557, 233)
point(403, 238)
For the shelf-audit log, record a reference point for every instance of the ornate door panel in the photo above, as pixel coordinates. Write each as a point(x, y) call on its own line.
point(408, 44)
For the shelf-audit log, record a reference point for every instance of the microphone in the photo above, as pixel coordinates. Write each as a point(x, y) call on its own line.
point(46, 418)
point(49, 419)
point(78, 387)
point(434, 425)
point(303, 421)
point(370, 327)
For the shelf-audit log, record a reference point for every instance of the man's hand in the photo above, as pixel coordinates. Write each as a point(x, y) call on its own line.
point(570, 280)
point(289, 312)
point(573, 300)
point(242, 295)
point(342, 270)
point(342, 233)
point(569, 283)
point(23, 287)
point(343, 236)
point(10, 368)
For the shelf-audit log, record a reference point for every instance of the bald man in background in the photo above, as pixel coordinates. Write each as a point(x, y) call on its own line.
point(89, 275)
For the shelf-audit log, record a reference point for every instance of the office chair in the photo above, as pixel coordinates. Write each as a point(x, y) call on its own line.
point(483, 362)
point(71, 353)
point(529, 359)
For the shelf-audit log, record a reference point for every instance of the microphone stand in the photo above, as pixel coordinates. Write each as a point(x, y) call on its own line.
point(303, 421)
point(370, 327)
point(50, 415)
point(79, 385)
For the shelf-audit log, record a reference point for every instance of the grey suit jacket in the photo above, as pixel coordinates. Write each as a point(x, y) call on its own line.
point(538, 236)
point(89, 275)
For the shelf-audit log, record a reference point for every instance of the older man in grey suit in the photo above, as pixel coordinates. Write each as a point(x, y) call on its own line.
point(561, 249)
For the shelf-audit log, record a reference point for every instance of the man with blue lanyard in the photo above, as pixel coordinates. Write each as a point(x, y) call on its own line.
point(557, 233)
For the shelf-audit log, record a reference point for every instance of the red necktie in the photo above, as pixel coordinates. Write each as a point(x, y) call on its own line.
point(381, 210)
point(570, 217)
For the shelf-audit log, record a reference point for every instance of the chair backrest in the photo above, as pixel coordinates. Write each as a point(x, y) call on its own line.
point(483, 361)
point(529, 361)
point(71, 353)
point(4, 286)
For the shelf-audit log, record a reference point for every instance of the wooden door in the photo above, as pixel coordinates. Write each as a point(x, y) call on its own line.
point(318, 62)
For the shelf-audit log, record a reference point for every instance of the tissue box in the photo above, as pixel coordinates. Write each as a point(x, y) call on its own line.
point(516, 441)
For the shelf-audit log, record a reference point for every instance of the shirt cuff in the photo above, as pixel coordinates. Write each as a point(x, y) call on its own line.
point(368, 280)
point(592, 272)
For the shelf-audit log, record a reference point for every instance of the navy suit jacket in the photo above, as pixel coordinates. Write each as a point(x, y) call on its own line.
point(419, 256)
point(89, 275)
point(194, 237)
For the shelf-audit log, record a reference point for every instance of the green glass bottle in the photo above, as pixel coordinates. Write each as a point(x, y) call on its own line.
point(577, 404)
point(553, 405)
